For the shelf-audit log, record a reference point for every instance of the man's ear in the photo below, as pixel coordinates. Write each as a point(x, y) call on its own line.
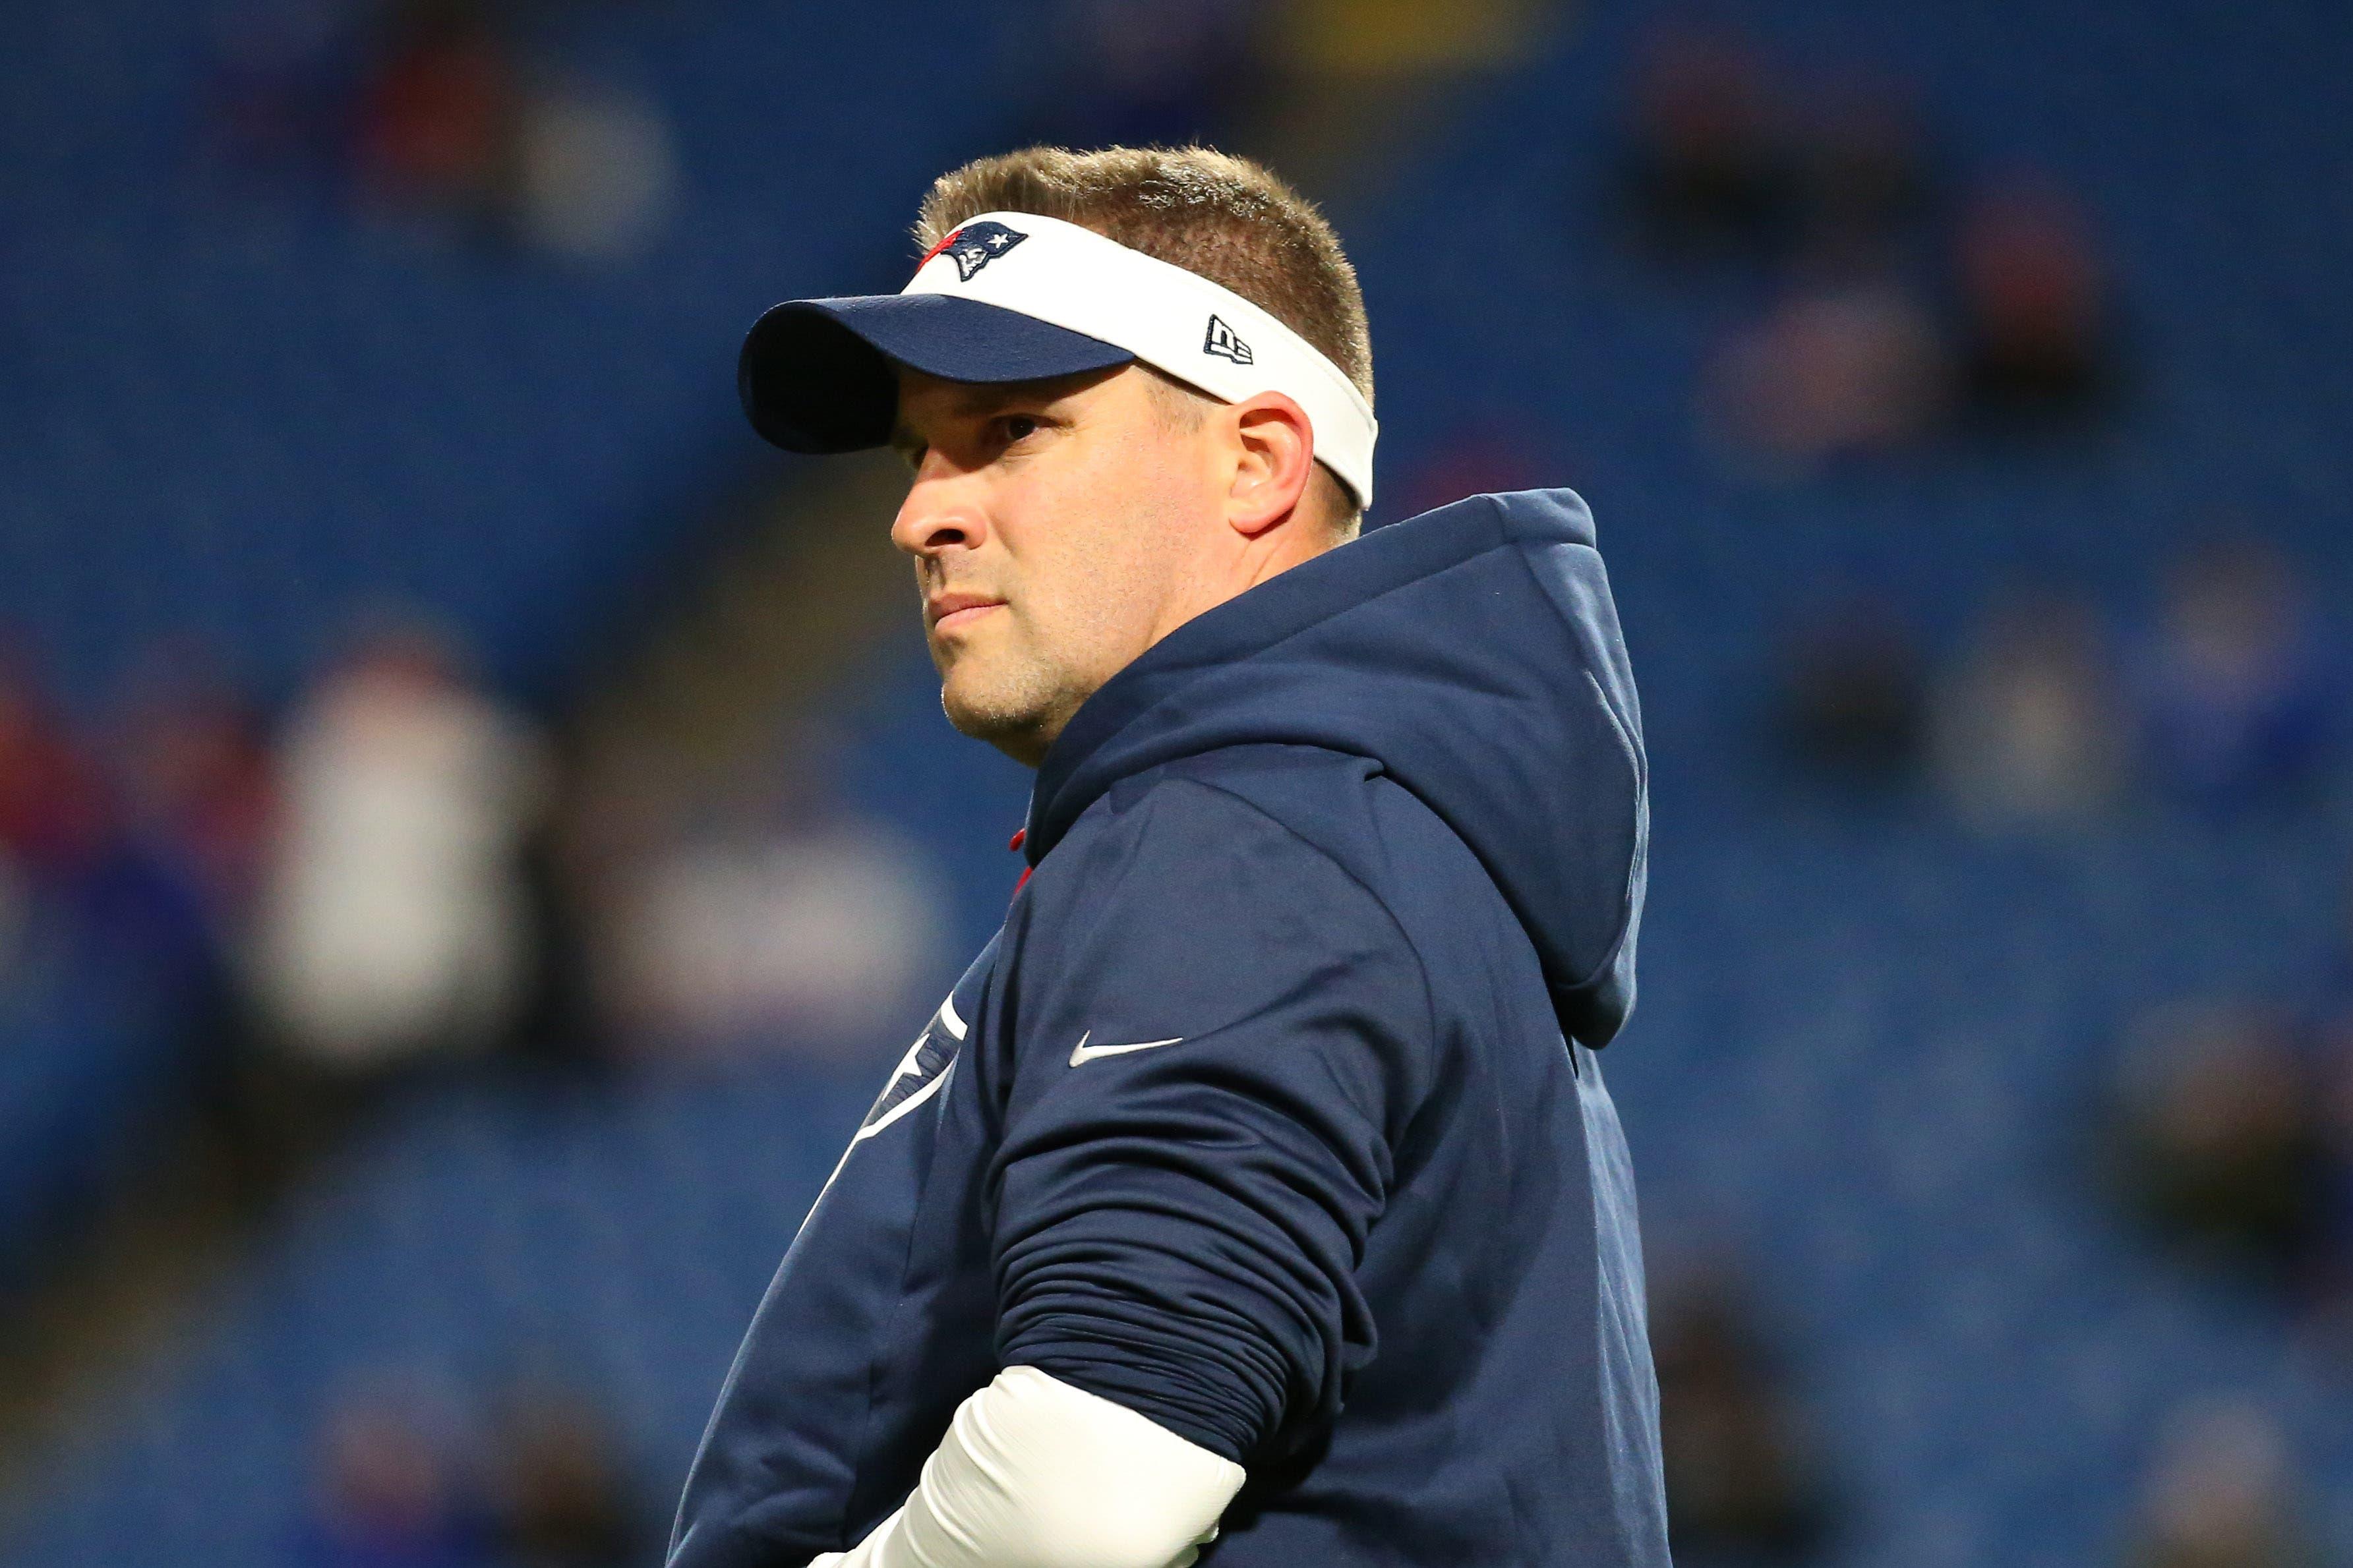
point(1274, 459)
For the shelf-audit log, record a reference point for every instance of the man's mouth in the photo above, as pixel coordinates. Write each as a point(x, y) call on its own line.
point(946, 612)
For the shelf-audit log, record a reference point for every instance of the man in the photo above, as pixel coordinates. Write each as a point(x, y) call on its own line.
point(1257, 1184)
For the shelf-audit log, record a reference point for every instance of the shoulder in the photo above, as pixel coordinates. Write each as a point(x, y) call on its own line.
point(1282, 825)
point(1257, 802)
point(1310, 850)
point(1208, 828)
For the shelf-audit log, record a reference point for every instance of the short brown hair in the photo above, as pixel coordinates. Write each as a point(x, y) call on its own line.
point(1226, 218)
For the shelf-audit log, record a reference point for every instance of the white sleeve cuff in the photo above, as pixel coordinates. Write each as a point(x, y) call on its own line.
point(1034, 1473)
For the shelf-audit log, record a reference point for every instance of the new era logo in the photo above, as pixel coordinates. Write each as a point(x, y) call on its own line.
point(1222, 342)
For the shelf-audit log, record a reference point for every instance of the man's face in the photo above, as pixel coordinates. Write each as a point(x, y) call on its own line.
point(1053, 526)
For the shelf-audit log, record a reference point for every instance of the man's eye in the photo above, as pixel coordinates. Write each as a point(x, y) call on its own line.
point(1015, 427)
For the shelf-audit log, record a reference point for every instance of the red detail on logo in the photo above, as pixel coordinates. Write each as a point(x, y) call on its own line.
point(946, 240)
point(1021, 836)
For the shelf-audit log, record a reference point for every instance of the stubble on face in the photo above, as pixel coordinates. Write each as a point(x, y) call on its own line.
point(1085, 532)
point(1015, 683)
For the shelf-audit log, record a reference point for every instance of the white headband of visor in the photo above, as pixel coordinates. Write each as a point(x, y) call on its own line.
point(1204, 335)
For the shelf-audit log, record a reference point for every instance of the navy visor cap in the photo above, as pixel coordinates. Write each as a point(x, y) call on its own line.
point(816, 375)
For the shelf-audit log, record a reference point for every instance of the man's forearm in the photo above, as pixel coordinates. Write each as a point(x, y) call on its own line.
point(1034, 1473)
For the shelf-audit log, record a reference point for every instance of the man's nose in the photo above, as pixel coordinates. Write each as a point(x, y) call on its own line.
point(939, 515)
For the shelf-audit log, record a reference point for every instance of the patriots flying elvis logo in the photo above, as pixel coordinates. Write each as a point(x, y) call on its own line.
point(974, 247)
point(925, 1060)
point(920, 1073)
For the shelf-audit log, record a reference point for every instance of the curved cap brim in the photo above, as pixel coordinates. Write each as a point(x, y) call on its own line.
point(816, 375)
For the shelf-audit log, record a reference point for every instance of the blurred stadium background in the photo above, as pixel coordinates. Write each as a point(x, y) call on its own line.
point(474, 826)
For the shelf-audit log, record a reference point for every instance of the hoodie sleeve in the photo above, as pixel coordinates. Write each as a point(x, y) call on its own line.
point(1220, 1034)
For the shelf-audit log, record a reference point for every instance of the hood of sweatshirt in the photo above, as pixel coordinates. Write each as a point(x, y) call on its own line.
point(1474, 653)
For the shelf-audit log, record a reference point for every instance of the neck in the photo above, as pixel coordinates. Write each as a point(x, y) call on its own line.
point(1236, 570)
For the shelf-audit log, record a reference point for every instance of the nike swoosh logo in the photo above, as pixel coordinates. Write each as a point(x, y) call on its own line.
point(1084, 1052)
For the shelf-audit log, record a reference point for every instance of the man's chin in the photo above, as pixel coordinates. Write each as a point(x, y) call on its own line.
point(981, 719)
point(1022, 731)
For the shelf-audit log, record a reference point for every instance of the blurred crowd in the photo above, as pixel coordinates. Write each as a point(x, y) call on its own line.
point(406, 1481)
point(140, 843)
point(437, 112)
point(1751, 1481)
point(2228, 701)
point(2232, 1141)
point(398, 877)
point(2221, 1492)
point(399, 870)
point(1746, 1478)
point(1905, 296)
point(2228, 1142)
point(2227, 1135)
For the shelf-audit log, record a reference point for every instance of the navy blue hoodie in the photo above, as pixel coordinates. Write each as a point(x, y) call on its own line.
point(1273, 1111)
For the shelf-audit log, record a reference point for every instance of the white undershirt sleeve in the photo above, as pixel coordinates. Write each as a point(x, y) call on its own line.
point(1034, 1473)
